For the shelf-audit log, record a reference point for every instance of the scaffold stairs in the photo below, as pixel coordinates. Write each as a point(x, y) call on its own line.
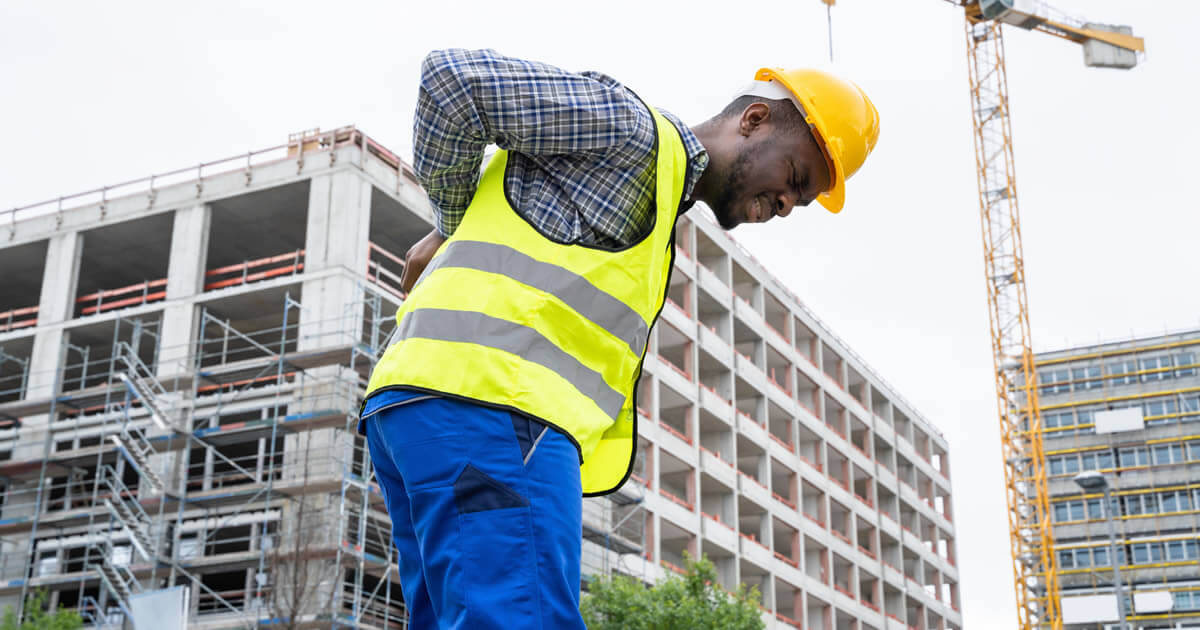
point(129, 515)
point(118, 579)
point(137, 450)
point(145, 386)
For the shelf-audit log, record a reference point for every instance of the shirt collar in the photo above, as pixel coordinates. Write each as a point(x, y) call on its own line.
point(697, 159)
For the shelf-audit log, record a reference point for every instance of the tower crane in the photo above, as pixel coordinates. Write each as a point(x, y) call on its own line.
point(1035, 568)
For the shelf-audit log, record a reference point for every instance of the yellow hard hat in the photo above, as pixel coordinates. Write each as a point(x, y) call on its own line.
point(845, 122)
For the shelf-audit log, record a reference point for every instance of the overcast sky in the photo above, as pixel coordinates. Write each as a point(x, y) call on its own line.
point(97, 93)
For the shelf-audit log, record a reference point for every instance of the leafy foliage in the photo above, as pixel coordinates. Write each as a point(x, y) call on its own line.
point(687, 602)
point(37, 618)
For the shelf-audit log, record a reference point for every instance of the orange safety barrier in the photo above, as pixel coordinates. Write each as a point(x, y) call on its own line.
point(243, 268)
point(379, 274)
point(146, 296)
point(282, 378)
point(9, 322)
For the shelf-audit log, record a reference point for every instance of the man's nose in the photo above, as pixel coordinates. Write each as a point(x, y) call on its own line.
point(784, 204)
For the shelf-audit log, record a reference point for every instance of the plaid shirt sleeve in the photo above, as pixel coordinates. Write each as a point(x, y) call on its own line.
point(470, 99)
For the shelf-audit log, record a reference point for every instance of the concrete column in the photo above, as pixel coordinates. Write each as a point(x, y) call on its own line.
point(55, 305)
point(185, 279)
point(189, 251)
point(338, 226)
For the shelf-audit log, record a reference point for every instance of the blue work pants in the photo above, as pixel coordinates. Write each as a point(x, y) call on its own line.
point(486, 513)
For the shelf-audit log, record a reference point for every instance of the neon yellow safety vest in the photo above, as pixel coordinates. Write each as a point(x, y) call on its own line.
point(505, 317)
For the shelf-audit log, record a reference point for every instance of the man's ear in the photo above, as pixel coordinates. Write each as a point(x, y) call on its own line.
point(753, 117)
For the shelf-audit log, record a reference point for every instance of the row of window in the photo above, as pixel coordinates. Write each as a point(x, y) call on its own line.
point(1142, 553)
point(1158, 411)
point(1186, 600)
point(1164, 502)
point(1157, 455)
point(1122, 372)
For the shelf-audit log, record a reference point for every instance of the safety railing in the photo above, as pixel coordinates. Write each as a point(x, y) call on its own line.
point(18, 318)
point(256, 270)
point(384, 269)
point(298, 147)
point(111, 299)
point(377, 611)
point(13, 384)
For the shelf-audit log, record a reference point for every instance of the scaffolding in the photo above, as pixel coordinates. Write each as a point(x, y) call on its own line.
point(245, 458)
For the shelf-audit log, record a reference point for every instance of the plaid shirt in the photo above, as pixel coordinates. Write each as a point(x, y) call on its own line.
point(581, 146)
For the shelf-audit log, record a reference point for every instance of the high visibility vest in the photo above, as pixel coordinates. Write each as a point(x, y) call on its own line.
point(507, 318)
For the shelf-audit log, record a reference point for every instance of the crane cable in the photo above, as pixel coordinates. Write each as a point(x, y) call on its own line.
point(829, 26)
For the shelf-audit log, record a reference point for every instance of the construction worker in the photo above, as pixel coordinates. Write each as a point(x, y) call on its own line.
point(509, 389)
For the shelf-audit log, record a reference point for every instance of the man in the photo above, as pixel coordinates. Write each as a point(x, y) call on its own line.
point(509, 390)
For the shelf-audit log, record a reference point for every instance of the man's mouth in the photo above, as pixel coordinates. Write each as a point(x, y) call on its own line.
point(758, 211)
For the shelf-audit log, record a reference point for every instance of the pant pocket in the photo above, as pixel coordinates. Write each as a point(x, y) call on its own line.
point(500, 588)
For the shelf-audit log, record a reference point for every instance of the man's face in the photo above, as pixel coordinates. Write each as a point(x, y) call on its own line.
point(774, 169)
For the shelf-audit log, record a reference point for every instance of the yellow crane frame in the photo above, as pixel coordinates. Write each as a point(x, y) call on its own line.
point(1034, 564)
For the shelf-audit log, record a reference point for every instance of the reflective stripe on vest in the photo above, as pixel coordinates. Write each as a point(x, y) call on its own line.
point(471, 327)
point(605, 310)
point(507, 318)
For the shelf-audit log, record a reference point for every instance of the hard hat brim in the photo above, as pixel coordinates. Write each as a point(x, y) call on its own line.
point(833, 199)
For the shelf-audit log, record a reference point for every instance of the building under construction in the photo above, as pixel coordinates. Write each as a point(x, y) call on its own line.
point(182, 359)
point(1131, 411)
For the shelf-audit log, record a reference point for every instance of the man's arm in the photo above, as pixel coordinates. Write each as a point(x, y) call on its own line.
point(470, 99)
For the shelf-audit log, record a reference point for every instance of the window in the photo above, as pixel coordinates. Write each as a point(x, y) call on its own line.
point(1063, 464)
point(1054, 381)
point(1123, 371)
point(1194, 450)
point(1169, 502)
point(1190, 408)
point(1156, 368)
point(1100, 556)
point(1068, 511)
point(1055, 464)
point(1156, 410)
point(1133, 456)
point(1141, 552)
point(1087, 377)
point(1095, 509)
point(1168, 454)
point(1186, 600)
point(1185, 362)
point(1058, 419)
point(1066, 559)
point(1097, 460)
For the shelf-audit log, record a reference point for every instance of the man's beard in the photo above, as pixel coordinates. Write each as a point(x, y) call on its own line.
point(735, 186)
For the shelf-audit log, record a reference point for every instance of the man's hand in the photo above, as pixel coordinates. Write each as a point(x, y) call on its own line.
point(418, 257)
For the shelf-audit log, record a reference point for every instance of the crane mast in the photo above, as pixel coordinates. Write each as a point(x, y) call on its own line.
point(1035, 569)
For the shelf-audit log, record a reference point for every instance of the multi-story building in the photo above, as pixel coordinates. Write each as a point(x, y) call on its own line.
point(182, 359)
point(1130, 410)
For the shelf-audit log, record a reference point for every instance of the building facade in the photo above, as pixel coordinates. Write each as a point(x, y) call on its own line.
point(1130, 410)
point(182, 359)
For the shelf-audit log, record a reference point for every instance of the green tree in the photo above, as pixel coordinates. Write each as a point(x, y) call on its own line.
point(37, 618)
point(687, 602)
